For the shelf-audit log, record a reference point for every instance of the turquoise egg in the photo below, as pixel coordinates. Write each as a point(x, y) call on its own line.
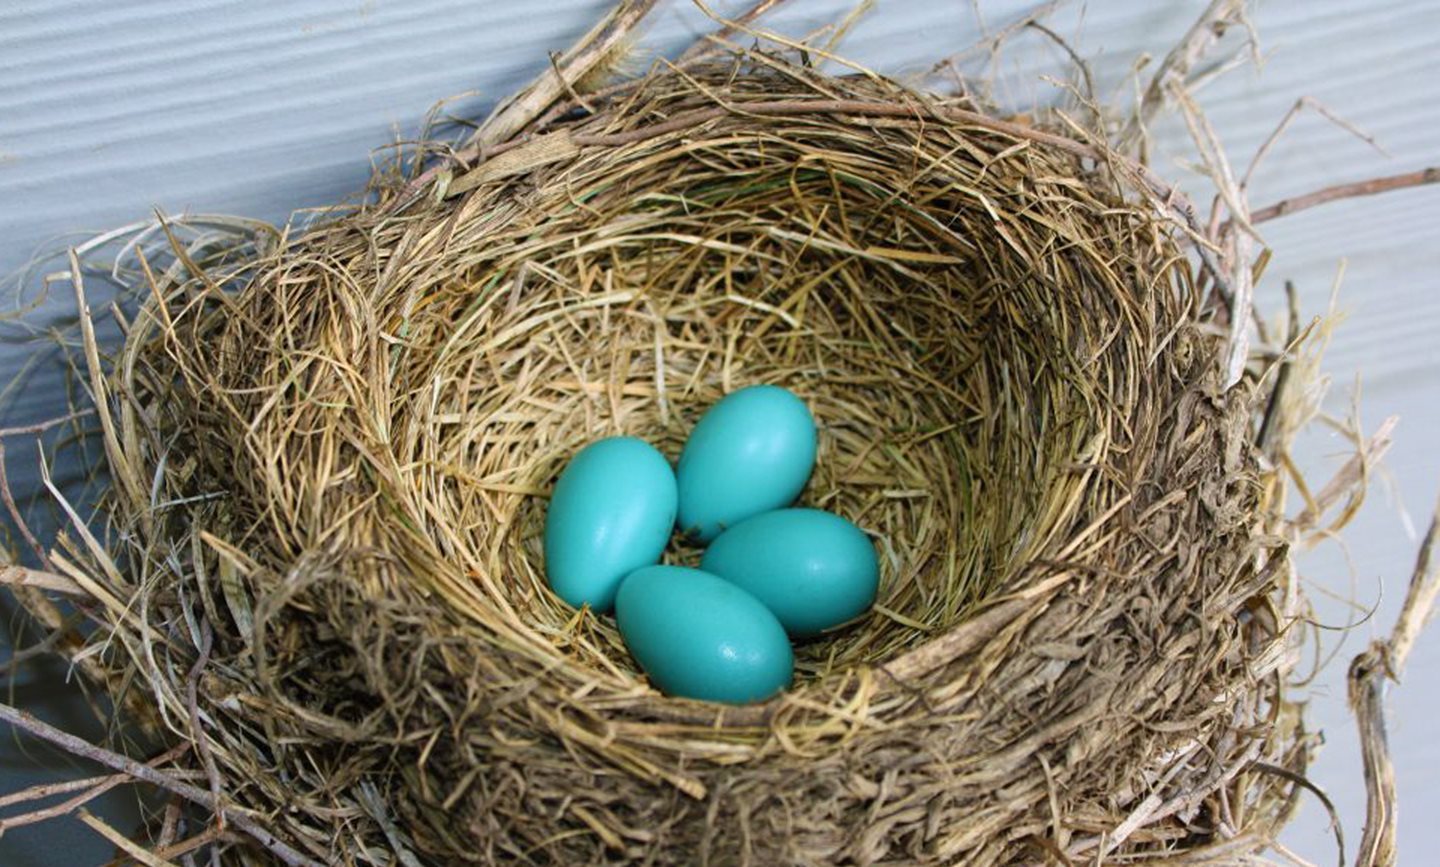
point(611, 513)
point(752, 452)
point(699, 636)
point(814, 570)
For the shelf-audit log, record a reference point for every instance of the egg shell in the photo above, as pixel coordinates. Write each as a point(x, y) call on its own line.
point(611, 513)
point(753, 451)
point(700, 636)
point(812, 569)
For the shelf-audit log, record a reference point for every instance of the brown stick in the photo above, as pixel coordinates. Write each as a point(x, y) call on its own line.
point(126, 765)
point(19, 519)
point(19, 576)
point(1351, 190)
point(1386, 658)
point(89, 789)
point(1186, 55)
point(516, 113)
point(1350, 476)
point(197, 732)
point(709, 43)
point(41, 427)
point(121, 841)
point(190, 844)
point(45, 645)
point(50, 790)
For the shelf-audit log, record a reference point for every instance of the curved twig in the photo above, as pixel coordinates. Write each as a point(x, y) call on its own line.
point(139, 771)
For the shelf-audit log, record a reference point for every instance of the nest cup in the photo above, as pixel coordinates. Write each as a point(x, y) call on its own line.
point(1002, 344)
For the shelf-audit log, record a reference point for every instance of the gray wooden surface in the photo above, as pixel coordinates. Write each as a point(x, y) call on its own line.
point(108, 110)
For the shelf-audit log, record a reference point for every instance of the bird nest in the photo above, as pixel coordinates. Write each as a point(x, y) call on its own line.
point(331, 459)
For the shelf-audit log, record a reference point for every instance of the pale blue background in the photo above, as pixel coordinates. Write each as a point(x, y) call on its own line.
point(110, 109)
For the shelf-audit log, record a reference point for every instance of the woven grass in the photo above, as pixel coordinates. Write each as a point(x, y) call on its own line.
point(331, 457)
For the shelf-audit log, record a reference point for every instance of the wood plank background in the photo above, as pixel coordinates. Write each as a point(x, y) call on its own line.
point(108, 110)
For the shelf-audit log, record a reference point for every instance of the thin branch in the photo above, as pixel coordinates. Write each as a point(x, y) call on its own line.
point(1351, 190)
point(19, 576)
point(517, 112)
point(41, 427)
point(1202, 36)
point(90, 789)
point(1386, 659)
point(1349, 477)
point(14, 509)
point(1300, 105)
point(126, 765)
point(1304, 782)
point(190, 844)
point(197, 732)
point(712, 42)
point(1097, 117)
point(120, 841)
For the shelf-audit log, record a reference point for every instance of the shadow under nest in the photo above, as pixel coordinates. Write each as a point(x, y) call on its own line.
point(1005, 351)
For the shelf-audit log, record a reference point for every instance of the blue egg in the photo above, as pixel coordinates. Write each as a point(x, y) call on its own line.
point(752, 452)
point(812, 569)
point(699, 636)
point(612, 512)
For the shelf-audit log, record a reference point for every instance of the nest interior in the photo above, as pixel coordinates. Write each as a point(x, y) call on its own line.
point(1004, 348)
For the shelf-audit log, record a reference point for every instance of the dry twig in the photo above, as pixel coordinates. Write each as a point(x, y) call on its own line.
point(1385, 659)
point(138, 771)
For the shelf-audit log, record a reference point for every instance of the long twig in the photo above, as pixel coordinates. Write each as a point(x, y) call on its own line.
point(712, 42)
point(516, 113)
point(192, 701)
point(1186, 55)
point(41, 427)
point(19, 576)
point(14, 510)
point(1351, 190)
point(42, 647)
point(1384, 659)
point(1349, 477)
point(89, 789)
point(1088, 99)
point(126, 765)
point(1300, 105)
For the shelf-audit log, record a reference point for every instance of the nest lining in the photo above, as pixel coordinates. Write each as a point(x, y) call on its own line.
point(1004, 353)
